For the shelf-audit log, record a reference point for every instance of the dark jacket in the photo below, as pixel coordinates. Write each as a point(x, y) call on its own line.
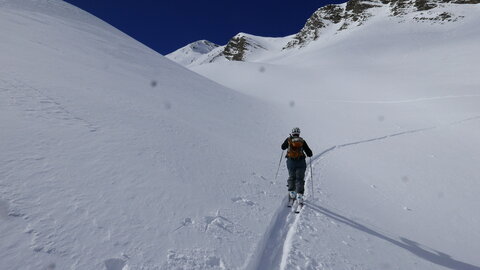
point(306, 149)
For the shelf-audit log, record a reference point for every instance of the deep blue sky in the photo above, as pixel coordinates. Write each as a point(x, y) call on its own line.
point(166, 25)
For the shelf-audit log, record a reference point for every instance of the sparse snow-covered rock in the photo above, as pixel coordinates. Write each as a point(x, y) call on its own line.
point(239, 46)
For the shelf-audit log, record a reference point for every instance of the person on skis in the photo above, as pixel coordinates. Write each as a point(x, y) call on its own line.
point(296, 148)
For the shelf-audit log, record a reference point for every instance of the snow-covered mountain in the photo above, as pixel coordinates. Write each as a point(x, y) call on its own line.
point(114, 157)
point(241, 47)
point(192, 52)
point(330, 20)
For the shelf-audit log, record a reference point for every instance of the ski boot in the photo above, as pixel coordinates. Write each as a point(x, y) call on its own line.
point(299, 205)
point(300, 199)
point(292, 195)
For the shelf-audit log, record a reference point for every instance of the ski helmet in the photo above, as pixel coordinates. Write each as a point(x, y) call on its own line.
point(295, 131)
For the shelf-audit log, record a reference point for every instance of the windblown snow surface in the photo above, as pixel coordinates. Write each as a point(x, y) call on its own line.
point(391, 109)
point(114, 157)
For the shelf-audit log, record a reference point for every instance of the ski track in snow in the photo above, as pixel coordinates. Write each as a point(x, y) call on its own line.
point(274, 250)
point(424, 99)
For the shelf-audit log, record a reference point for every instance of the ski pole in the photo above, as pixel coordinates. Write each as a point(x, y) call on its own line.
point(311, 177)
point(280, 162)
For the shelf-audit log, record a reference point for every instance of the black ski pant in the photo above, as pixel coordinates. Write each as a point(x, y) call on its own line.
point(296, 174)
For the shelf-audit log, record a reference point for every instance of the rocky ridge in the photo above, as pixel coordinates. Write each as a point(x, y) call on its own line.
point(237, 48)
point(356, 12)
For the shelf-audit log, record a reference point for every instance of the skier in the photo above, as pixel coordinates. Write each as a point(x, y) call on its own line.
point(296, 165)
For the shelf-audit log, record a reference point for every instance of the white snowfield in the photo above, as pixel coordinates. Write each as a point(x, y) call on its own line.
point(114, 157)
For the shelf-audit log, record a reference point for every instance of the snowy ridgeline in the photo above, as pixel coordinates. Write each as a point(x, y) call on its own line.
point(113, 157)
point(324, 24)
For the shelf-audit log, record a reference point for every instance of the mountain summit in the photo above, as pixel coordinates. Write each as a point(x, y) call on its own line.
point(192, 52)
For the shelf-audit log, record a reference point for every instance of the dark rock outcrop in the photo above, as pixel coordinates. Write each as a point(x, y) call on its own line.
point(237, 48)
point(319, 19)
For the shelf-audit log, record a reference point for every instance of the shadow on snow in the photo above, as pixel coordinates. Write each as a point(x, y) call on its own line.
point(435, 257)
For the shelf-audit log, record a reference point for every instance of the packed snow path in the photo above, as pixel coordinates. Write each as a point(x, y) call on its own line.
point(275, 250)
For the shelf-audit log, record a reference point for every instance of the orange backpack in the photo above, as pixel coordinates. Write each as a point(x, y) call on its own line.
point(295, 147)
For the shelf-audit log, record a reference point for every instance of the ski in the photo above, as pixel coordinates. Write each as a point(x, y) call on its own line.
point(291, 202)
point(298, 207)
point(299, 203)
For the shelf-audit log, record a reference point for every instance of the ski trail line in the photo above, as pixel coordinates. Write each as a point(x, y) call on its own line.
point(275, 248)
point(413, 100)
point(270, 249)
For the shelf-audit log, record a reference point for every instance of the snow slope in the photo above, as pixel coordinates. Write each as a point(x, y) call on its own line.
point(391, 110)
point(114, 157)
point(192, 52)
